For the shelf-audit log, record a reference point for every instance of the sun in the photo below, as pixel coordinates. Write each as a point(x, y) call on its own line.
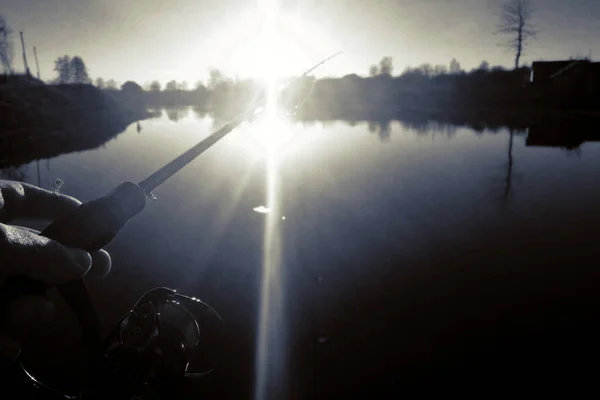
point(270, 56)
point(264, 43)
point(270, 53)
point(272, 46)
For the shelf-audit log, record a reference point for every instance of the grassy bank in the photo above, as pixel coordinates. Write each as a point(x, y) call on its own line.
point(42, 121)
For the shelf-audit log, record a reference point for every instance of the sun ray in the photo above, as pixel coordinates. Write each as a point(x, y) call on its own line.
point(270, 357)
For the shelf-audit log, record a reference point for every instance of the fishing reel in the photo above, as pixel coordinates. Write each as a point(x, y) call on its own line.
point(165, 341)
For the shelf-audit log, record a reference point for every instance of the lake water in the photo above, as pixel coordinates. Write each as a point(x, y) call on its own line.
point(383, 256)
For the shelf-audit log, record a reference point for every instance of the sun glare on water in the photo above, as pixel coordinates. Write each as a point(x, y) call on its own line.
point(273, 59)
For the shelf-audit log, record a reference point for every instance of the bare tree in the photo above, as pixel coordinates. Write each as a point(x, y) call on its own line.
point(100, 83)
point(62, 66)
point(6, 49)
point(79, 72)
point(71, 70)
point(515, 20)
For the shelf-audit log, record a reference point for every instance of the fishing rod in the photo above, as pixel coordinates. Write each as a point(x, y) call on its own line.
point(308, 71)
point(95, 224)
point(164, 173)
point(312, 86)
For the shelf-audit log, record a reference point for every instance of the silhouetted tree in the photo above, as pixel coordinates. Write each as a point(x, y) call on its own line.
point(62, 66)
point(100, 83)
point(515, 21)
point(386, 66)
point(111, 84)
point(131, 87)
point(215, 77)
point(79, 73)
point(440, 70)
point(425, 69)
point(199, 86)
point(155, 86)
point(182, 86)
point(373, 71)
point(171, 85)
point(484, 66)
point(455, 67)
point(71, 70)
point(6, 49)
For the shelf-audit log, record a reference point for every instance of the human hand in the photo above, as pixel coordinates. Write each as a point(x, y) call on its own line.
point(23, 252)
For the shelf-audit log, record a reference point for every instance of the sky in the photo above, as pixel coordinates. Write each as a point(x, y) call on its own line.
point(145, 40)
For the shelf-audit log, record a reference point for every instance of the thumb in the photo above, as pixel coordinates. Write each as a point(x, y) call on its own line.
point(25, 253)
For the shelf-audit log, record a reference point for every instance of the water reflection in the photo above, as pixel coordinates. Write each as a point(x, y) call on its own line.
point(383, 129)
point(421, 121)
point(23, 147)
point(176, 114)
point(361, 217)
point(568, 133)
point(509, 169)
point(14, 173)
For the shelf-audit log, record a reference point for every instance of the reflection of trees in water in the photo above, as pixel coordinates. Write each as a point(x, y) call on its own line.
point(200, 112)
point(176, 114)
point(383, 129)
point(14, 173)
point(433, 122)
point(433, 128)
point(508, 180)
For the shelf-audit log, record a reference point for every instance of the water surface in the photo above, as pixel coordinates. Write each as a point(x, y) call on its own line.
point(404, 253)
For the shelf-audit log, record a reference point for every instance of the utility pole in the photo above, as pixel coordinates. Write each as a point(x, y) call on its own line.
point(37, 64)
point(25, 56)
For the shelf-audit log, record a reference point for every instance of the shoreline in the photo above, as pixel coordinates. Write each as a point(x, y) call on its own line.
point(43, 121)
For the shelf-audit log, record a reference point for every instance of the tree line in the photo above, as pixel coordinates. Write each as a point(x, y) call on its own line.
point(515, 24)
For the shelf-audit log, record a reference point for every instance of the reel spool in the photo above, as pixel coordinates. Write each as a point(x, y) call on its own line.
point(165, 340)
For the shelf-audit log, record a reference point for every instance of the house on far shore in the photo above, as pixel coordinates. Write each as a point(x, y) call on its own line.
point(567, 84)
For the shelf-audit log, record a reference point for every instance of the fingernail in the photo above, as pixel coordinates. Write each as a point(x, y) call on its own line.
point(81, 258)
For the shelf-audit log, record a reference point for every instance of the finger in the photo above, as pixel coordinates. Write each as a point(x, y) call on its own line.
point(22, 200)
point(101, 261)
point(25, 253)
point(101, 264)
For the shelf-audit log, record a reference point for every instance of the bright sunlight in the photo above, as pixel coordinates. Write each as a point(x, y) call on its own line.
point(272, 132)
point(268, 44)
